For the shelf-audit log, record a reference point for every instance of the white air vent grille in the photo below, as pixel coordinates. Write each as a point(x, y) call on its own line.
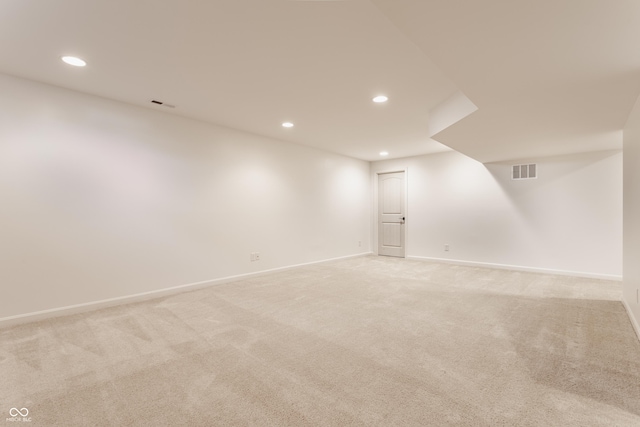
point(529, 171)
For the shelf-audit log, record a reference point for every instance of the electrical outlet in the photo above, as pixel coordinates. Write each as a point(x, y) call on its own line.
point(257, 256)
point(446, 248)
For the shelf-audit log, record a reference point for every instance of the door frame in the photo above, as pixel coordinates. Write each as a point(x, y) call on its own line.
point(374, 221)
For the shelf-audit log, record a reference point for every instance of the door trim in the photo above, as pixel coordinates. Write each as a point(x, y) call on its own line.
point(375, 208)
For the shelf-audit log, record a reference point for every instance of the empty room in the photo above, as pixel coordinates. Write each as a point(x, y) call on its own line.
point(320, 213)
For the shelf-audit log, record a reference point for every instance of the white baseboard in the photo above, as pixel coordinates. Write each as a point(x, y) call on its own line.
point(634, 321)
point(128, 299)
point(521, 268)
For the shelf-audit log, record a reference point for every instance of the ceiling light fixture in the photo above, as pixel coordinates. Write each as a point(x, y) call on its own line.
point(287, 125)
point(380, 98)
point(72, 60)
point(384, 153)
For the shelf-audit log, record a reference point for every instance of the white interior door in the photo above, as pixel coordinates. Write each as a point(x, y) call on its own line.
point(391, 215)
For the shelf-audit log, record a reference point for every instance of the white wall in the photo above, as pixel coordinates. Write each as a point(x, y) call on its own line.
point(102, 200)
point(631, 282)
point(568, 220)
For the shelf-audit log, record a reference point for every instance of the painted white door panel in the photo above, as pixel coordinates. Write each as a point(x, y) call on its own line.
point(391, 215)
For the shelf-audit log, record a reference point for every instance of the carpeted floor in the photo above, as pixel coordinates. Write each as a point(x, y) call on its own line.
point(366, 341)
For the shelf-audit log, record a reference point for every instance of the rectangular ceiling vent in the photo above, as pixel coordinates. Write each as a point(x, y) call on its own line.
point(529, 171)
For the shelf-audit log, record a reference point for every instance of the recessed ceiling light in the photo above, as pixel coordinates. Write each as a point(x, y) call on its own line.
point(72, 60)
point(380, 98)
point(384, 153)
point(287, 125)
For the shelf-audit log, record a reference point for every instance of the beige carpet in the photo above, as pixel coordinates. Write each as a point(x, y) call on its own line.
point(366, 341)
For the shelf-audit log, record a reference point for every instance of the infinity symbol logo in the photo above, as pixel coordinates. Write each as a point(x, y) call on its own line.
point(14, 412)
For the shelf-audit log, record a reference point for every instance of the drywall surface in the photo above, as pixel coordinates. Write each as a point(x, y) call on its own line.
point(631, 281)
point(568, 220)
point(102, 200)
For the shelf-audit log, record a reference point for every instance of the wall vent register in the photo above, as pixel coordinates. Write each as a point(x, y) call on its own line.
point(529, 171)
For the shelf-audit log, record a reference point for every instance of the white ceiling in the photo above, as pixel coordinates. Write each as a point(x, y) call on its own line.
point(547, 76)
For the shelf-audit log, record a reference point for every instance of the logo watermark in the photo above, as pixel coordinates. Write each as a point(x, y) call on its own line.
point(19, 415)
